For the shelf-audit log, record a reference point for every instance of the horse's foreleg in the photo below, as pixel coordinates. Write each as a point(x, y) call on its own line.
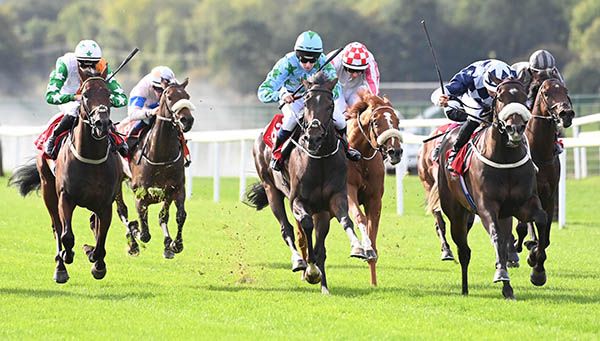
point(276, 198)
point(338, 205)
point(131, 227)
point(163, 221)
point(499, 231)
point(142, 209)
point(65, 211)
point(537, 255)
point(321, 230)
point(312, 273)
point(181, 215)
point(97, 253)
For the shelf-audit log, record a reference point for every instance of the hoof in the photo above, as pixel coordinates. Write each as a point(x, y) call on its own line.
point(89, 252)
point(176, 246)
point(61, 276)
point(134, 228)
point(447, 255)
point(98, 273)
point(168, 254)
point(312, 274)
point(371, 255)
point(538, 278)
point(501, 275)
point(530, 244)
point(145, 236)
point(67, 256)
point(507, 292)
point(512, 264)
point(530, 260)
point(134, 251)
point(358, 252)
point(299, 265)
point(324, 291)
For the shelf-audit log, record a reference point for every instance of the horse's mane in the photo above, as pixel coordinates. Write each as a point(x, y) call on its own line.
point(319, 78)
point(367, 99)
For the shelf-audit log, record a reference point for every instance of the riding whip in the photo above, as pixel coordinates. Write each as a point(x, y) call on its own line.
point(437, 66)
point(321, 68)
point(135, 50)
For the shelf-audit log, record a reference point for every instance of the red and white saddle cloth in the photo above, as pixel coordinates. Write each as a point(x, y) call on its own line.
point(462, 161)
point(43, 137)
point(270, 133)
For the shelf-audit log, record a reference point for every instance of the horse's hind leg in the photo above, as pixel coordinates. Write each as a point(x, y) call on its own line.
point(440, 228)
point(97, 253)
point(276, 204)
point(459, 232)
point(339, 207)
point(163, 221)
point(131, 227)
point(373, 211)
point(142, 208)
point(181, 215)
point(312, 272)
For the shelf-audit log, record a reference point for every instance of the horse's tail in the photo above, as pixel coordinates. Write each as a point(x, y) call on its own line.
point(433, 199)
point(26, 178)
point(256, 196)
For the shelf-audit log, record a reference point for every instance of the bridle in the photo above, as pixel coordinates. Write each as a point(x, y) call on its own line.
point(174, 109)
point(380, 141)
point(499, 123)
point(89, 116)
point(554, 116)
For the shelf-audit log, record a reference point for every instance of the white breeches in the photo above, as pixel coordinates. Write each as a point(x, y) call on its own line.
point(70, 108)
point(293, 112)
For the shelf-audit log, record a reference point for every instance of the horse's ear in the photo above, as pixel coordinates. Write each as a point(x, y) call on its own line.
point(331, 84)
point(386, 100)
point(521, 77)
point(306, 84)
point(185, 82)
point(495, 79)
point(104, 73)
point(82, 74)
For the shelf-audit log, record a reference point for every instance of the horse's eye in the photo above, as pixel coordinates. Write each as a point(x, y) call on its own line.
point(85, 95)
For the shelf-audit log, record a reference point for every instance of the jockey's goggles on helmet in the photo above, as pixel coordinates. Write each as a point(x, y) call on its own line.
point(158, 88)
point(308, 57)
point(87, 63)
point(349, 70)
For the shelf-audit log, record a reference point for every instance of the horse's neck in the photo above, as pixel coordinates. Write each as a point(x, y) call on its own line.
point(357, 139)
point(163, 139)
point(85, 144)
point(540, 132)
point(493, 146)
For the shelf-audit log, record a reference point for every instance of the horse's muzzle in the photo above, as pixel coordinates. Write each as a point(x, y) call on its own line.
point(566, 116)
point(186, 123)
point(394, 155)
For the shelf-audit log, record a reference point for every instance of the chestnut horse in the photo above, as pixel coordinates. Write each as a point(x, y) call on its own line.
point(374, 132)
point(314, 180)
point(551, 110)
point(87, 174)
point(501, 183)
point(157, 171)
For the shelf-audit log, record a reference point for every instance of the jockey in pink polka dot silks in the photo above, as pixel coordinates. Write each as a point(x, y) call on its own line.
point(287, 74)
point(356, 69)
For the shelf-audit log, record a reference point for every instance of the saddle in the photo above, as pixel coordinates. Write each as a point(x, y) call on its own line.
point(270, 134)
point(462, 161)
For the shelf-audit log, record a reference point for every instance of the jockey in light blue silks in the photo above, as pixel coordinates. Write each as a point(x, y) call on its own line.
point(475, 86)
point(285, 77)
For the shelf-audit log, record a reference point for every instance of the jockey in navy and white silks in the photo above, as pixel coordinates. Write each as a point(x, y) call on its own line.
point(356, 69)
point(145, 96)
point(286, 76)
point(475, 87)
point(541, 66)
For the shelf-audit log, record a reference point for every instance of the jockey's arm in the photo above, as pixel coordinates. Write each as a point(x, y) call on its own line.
point(137, 110)
point(55, 84)
point(329, 71)
point(117, 95)
point(372, 75)
point(268, 91)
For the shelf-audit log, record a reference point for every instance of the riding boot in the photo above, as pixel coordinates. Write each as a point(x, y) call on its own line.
point(65, 124)
point(351, 153)
point(464, 134)
point(276, 157)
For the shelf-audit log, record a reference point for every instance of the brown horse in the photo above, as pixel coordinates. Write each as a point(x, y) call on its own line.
point(501, 183)
point(314, 181)
point(551, 110)
point(157, 171)
point(87, 175)
point(374, 132)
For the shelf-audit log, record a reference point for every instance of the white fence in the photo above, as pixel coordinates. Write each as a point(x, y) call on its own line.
point(213, 141)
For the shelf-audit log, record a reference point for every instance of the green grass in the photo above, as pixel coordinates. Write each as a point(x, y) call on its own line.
point(233, 279)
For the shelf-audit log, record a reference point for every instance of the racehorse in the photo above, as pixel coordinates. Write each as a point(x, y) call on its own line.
point(500, 184)
point(157, 171)
point(314, 181)
point(551, 110)
point(374, 132)
point(86, 174)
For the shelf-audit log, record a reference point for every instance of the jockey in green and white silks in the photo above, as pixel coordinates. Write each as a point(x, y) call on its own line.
point(287, 75)
point(65, 82)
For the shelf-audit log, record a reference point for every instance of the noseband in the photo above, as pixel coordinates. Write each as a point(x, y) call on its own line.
point(554, 114)
point(174, 108)
point(387, 134)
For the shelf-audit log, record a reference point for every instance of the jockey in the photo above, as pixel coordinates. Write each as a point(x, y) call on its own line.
point(356, 69)
point(541, 66)
point(475, 86)
point(286, 76)
point(64, 84)
point(144, 100)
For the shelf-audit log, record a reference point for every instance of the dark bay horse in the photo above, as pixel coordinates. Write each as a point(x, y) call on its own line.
point(157, 171)
point(374, 132)
point(551, 110)
point(87, 175)
point(501, 183)
point(314, 182)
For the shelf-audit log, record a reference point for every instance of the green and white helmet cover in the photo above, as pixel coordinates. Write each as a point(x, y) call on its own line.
point(88, 50)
